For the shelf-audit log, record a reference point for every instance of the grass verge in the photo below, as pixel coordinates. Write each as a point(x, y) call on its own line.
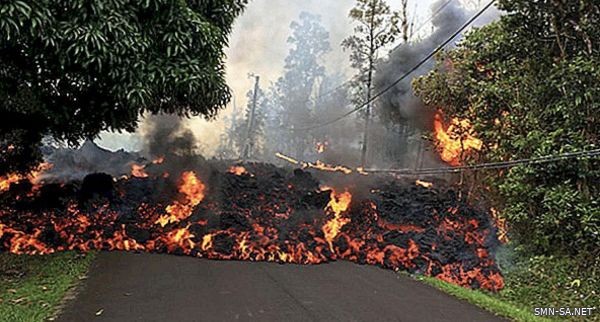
point(536, 281)
point(32, 287)
point(484, 300)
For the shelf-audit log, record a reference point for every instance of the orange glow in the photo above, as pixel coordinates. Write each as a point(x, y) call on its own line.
point(193, 190)
point(138, 171)
point(455, 140)
point(424, 184)
point(330, 168)
point(159, 160)
point(264, 226)
point(9, 179)
point(501, 225)
point(286, 158)
point(237, 170)
point(361, 171)
point(337, 204)
point(321, 147)
point(34, 176)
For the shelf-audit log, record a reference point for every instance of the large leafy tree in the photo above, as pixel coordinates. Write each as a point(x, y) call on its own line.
point(70, 69)
point(530, 85)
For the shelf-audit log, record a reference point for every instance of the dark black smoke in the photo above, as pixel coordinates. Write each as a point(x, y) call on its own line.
point(400, 104)
point(167, 135)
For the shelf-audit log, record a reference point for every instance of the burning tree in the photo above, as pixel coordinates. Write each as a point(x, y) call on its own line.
point(71, 69)
point(529, 90)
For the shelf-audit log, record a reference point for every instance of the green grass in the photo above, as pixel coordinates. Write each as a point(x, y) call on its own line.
point(484, 300)
point(32, 287)
point(538, 281)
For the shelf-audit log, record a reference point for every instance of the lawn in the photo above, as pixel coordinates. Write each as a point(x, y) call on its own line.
point(32, 287)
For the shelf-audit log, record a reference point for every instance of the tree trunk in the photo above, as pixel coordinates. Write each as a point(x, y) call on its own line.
point(363, 157)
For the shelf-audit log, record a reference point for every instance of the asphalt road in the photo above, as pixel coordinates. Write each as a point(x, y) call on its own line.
point(148, 287)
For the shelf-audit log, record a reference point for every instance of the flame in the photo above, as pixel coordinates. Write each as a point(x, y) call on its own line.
point(159, 160)
point(330, 168)
point(8, 180)
point(138, 171)
point(424, 184)
point(362, 171)
point(34, 176)
point(193, 190)
point(338, 203)
point(454, 141)
point(501, 225)
point(262, 225)
point(237, 170)
point(286, 158)
point(321, 147)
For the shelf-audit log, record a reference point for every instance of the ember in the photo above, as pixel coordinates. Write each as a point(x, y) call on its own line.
point(274, 215)
point(138, 171)
point(237, 170)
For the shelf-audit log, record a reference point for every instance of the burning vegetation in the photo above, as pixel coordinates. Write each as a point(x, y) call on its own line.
point(257, 213)
point(456, 140)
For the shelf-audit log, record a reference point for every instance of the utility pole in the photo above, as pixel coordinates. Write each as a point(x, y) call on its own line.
point(248, 141)
point(233, 124)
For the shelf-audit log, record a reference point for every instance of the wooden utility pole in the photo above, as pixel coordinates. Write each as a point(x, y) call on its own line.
point(249, 140)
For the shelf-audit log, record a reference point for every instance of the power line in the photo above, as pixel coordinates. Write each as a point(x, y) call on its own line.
point(347, 82)
point(404, 76)
point(492, 165)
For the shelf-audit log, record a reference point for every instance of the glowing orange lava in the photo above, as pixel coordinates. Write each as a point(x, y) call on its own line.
point(424, 183)
point(138, 171)
point(237, 170)
point(193, 190)
point(338, 203)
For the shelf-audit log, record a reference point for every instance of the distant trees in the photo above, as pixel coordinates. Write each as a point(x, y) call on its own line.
point(293, 91)
point(70, 69)
point(530, 85)
point(377, 26)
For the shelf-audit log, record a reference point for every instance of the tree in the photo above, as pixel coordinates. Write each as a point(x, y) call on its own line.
point(530, 84)
point(70, 69)
point(294, 90)
point(377, 27)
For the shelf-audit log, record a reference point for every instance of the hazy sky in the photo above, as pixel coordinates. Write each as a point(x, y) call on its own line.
point(258, 45)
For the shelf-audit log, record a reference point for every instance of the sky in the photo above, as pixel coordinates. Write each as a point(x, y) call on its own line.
point(258, 45)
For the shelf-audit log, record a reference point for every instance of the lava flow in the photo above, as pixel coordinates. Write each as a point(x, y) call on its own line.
point(262, 213)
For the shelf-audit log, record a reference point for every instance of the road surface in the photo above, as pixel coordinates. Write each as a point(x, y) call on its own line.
point(150, 287)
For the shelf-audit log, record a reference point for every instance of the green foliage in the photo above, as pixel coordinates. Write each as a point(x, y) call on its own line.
point(530, 84)
point(71, 69)
point(550, 281)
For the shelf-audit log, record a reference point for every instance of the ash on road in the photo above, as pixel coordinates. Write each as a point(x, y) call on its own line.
point(150, 287)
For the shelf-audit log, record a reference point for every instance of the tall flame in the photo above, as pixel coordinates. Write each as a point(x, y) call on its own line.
point(455, 140)
point(193, 190)
point(338, 203)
